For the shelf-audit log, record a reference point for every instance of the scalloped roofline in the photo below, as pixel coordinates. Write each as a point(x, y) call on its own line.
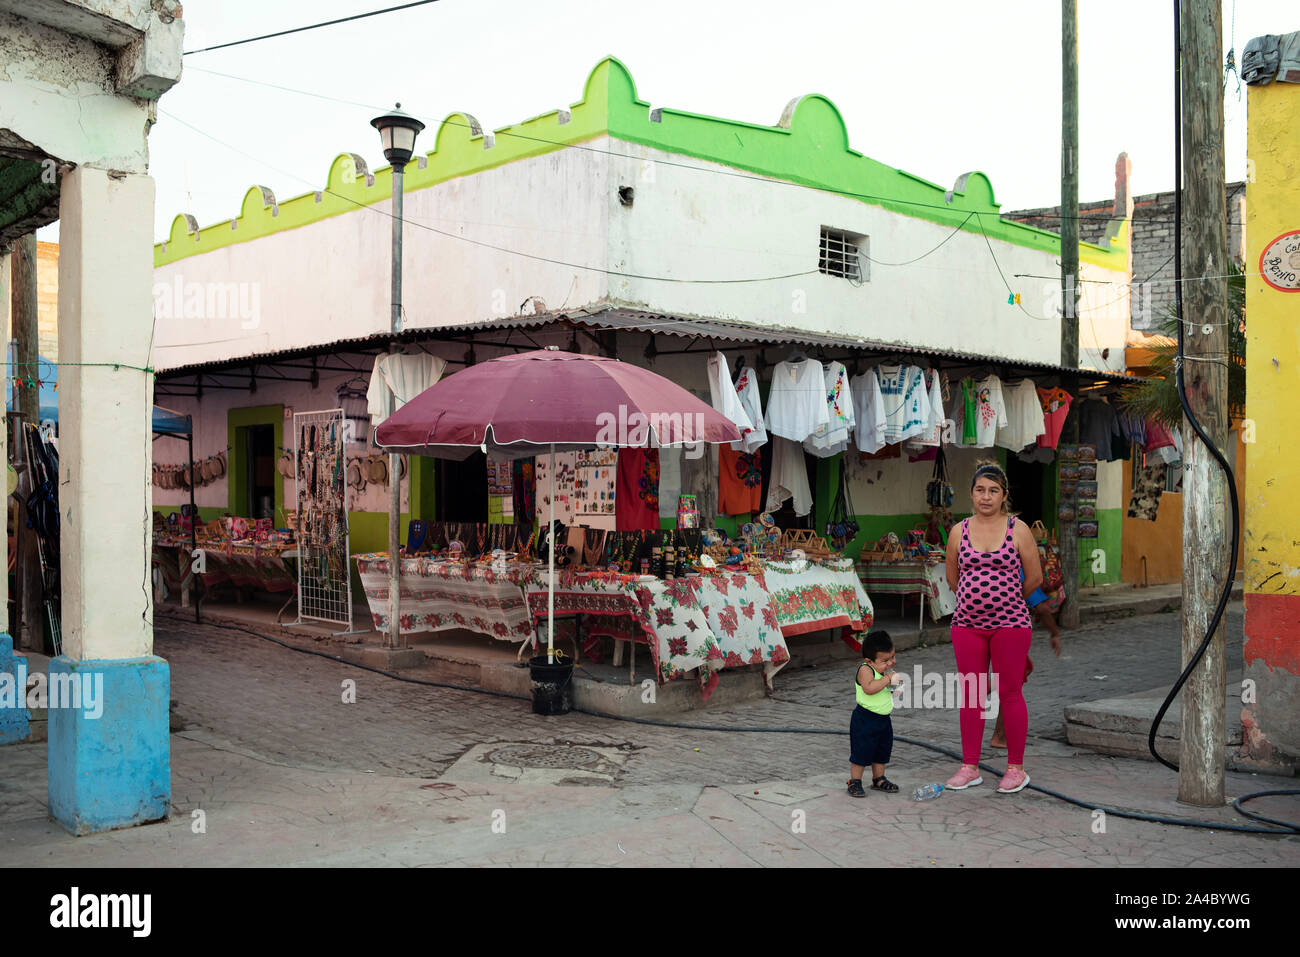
point(809, 146)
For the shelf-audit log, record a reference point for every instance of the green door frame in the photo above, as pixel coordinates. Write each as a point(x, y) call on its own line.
point(237, 483)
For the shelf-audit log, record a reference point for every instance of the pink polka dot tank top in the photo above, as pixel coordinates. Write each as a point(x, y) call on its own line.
point(989, 585)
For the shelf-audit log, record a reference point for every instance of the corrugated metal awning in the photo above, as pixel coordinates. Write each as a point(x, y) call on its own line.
point(611, 318)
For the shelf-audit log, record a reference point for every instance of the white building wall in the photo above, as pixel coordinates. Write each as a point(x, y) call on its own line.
point(695, 220)
point(330, 280)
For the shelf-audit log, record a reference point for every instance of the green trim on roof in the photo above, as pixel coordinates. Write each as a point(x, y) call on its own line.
point(809, 146)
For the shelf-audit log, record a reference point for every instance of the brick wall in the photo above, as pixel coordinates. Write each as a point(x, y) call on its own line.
point(1153, 244)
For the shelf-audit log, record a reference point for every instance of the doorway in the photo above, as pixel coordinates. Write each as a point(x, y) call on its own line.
point(461, 489)
point(259, 458)
point(1027, 480)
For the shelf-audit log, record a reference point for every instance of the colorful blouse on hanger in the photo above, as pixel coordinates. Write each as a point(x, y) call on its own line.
point(1056, 406)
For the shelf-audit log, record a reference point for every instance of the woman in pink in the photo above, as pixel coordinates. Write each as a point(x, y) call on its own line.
point(986, 554)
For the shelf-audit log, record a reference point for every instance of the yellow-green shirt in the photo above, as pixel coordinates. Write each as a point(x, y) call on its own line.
point(882, 702)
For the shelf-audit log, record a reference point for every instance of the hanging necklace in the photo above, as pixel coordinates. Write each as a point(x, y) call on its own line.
point(593, 547)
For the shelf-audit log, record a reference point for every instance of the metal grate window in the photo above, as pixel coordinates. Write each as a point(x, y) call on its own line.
point(843, 254)
point(1173, 472)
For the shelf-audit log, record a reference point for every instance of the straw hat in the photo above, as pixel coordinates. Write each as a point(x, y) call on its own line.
point(221, 463)
point(285, 465)
point(355, 477)
point(377, 470)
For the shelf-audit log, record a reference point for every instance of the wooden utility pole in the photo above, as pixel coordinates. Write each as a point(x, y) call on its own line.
point(1068, 532)
point(1205, 377)
point(25, 328)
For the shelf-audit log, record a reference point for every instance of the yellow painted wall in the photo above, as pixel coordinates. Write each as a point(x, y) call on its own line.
point(1271, 651)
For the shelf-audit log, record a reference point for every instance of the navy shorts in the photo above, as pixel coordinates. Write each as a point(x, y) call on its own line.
point(871, 737)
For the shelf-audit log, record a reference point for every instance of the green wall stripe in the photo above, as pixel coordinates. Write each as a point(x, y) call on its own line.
point(810, 149)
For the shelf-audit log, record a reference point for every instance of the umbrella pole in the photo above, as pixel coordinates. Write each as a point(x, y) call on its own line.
point(550, 580)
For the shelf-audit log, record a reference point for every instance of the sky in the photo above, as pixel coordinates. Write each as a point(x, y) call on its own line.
point(935, 88)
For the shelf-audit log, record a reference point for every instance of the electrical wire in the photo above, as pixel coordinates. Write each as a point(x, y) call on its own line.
point(1281, 827)
point(312, 26)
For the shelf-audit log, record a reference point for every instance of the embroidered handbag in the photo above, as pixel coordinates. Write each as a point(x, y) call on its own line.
point(938, 491)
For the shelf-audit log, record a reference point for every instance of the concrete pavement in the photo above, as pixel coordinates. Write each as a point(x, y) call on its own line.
point(274, 768)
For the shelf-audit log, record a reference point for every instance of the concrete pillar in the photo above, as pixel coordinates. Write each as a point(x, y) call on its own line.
point(14, 717)
point(111, 769)
point(1270, 714)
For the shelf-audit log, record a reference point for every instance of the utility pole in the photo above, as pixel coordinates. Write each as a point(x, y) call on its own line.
point(1205, 378)
point(25, 327)
point(1068, 532)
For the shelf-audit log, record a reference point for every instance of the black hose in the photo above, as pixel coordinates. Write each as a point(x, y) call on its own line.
point(1192, 420)
point(1286, 828)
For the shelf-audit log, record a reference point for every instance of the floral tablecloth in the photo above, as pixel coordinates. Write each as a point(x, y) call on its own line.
point(910, 578)
point(438, 596)
point(811, 597)
point(743, 617)
point(709, 622)
point(244, 567)
point(668, 614)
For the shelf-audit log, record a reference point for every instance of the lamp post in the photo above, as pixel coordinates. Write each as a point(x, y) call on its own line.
point(397, 133)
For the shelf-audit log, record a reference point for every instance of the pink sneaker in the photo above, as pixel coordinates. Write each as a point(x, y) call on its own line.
point(1013, 781)
point(967, 777)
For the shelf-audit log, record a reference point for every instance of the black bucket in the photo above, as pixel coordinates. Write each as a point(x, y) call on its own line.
point(552, 686)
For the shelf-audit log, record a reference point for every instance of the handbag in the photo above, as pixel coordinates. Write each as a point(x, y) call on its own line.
point(841, 525)
point(938, 491)
point(1053, 577)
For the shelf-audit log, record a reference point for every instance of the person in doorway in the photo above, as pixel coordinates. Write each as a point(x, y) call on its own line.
point(871, 730)
point(986, 561)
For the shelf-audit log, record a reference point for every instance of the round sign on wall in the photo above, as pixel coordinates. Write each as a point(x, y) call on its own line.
point(1279, 264)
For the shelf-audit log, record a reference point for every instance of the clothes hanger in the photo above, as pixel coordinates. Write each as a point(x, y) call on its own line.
point(797, 356)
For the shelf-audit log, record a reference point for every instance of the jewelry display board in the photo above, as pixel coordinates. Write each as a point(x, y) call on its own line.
point(501, 493)
point(594, 488)
point(565, 469)
point(324, 571)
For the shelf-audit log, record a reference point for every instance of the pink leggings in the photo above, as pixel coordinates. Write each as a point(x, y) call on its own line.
point(1008, 648)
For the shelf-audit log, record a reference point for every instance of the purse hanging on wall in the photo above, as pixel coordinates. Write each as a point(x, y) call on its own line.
point(841, 525)
point(938, 491)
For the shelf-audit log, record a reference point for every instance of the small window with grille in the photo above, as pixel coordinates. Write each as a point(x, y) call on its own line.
point(843, 254)
point(1173, 472)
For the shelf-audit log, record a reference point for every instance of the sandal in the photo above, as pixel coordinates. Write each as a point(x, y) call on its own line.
point(883, 783)
point(855, 788)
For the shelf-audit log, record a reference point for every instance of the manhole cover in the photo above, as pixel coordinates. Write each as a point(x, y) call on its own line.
point(544, 756)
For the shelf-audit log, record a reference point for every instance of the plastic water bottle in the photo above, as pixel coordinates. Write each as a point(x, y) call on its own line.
point(927, 792)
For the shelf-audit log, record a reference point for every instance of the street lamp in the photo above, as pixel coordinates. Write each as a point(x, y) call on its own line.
point(397, 133)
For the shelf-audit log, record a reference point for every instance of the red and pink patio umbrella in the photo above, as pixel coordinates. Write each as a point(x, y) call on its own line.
point(545, 402)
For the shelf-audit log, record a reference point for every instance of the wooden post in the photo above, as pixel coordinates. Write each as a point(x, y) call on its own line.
point(1205, 377)
point(1069, 531)
point(24, 326)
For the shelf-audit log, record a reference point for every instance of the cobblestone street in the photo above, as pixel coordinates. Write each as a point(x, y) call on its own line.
point(285, 772)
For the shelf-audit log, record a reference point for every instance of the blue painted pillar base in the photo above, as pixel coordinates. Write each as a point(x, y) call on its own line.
point(14, 716)
point(110, 769)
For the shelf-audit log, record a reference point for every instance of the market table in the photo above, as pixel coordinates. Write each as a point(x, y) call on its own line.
point(243, 565)
point(812, 596)
point(928, 580)
point(440, 595)
point(705, 622)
